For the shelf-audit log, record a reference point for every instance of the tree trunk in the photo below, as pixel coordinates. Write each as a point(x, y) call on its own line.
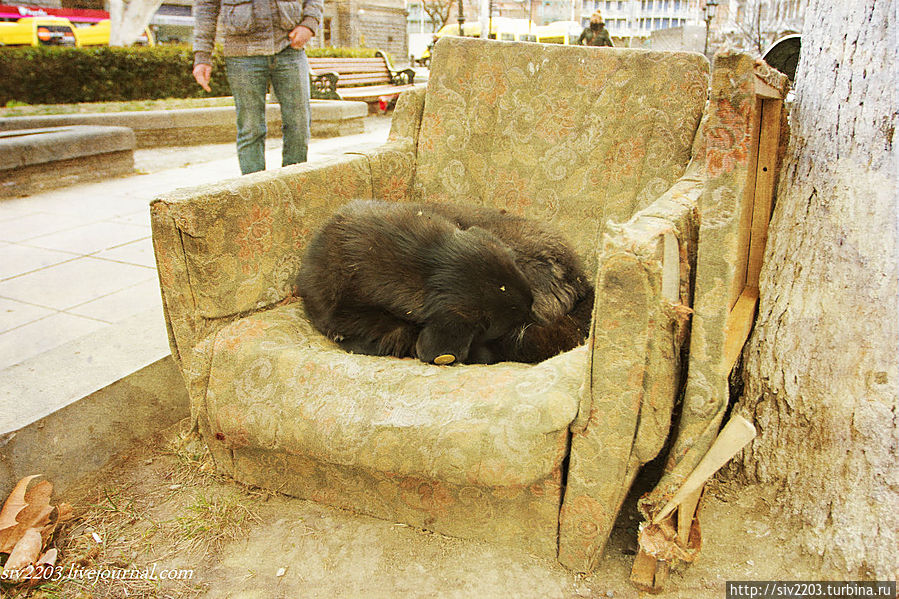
point(820, 369)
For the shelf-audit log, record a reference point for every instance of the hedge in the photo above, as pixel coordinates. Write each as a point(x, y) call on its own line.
point(54, 75)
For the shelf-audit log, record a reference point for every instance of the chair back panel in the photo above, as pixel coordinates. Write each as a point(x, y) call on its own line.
point(567, 134)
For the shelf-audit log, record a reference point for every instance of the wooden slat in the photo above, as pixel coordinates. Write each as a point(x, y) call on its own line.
point(346, 61)
point(362, 79)
point(648, 573)
point(730, 441)
point(347, 69)
point(744, 233)
point(685, 512)
point(736, 330)
point(371, 93)
point(765, 182)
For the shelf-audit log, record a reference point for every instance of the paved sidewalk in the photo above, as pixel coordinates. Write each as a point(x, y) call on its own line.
point(78, 259)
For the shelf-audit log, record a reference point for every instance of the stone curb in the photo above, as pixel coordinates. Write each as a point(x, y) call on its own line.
point(196, 126)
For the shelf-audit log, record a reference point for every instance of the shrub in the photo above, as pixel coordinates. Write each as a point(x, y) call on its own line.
point(52, 75)
point(55, 75)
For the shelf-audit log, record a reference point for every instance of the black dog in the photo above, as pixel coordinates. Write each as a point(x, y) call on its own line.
point(393, 279)
point(444, 283)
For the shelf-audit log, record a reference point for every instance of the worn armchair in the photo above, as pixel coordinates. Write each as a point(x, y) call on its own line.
point(539, 456)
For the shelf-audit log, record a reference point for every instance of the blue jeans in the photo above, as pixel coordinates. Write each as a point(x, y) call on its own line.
point(249, 78)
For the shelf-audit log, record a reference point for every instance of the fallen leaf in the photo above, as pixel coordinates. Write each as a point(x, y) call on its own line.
point(35, 514)
point(49, 557)
point(26, 551)
point(15, 503)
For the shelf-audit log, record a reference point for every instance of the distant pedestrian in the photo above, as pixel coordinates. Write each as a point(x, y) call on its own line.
point(262, 41)
point(596, 33)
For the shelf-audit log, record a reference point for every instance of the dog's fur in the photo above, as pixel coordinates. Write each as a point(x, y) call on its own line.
point(425, 280)
point(391, 279)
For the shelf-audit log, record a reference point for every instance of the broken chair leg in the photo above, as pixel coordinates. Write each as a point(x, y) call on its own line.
point(660, 540)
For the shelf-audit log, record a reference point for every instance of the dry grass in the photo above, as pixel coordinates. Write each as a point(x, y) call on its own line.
point(171, 511)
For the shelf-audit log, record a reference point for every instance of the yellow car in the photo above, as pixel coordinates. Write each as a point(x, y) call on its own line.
point(38, 31)
point(559, 32)
point(501, 28)
point(98, 35)
point(59, 31)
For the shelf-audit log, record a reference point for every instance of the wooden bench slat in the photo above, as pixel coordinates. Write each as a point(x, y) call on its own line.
point(345, 72)
point(355, 78)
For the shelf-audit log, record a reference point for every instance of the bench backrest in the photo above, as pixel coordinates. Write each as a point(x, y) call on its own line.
point(353, 72)
point(567, 134)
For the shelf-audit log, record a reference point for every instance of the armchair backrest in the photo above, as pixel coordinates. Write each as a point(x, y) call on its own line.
point(567, 134)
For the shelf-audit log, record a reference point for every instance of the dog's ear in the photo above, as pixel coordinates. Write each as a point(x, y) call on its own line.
point(444, 343)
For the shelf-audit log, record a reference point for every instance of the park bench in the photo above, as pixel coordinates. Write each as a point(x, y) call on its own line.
point(360, 79)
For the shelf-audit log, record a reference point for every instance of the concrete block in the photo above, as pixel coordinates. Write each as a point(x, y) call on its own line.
point(32, 160)
point(107, 390)
point(198, 126)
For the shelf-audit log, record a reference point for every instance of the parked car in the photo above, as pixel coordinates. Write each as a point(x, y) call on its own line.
point(38, 31)
point(501, 28)
point(59, 31)
point(98, 35)
point(559, 32)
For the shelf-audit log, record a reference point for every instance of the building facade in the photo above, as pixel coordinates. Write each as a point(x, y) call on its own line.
point(377, 24)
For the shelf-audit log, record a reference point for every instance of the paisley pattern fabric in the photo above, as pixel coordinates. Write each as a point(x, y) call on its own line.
point(599, 142)
point(278, 384)
point(572, 135)
point(524, 516)
point(636, 338)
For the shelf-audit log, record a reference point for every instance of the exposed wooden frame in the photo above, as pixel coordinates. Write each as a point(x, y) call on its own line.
point(648, 572)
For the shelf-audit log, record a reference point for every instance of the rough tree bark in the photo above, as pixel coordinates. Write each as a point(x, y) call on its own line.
point(820, 370)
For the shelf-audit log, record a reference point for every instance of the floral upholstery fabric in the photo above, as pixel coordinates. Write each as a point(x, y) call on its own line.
point(278, 384)
point(571, 135)
point(597, 141)
point(524, 516)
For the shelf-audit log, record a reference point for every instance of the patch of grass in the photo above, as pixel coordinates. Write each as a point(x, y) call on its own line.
point(173, 510)
point(22, 109)
point(214, 520)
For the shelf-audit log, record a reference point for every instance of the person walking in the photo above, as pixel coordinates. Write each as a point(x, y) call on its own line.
point(596, 33)
point(262, 42)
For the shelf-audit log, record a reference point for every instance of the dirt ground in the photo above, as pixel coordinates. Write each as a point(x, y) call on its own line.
point(162, 510)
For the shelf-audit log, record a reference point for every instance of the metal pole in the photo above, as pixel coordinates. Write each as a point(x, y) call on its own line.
point(461, 18)
point(708, 21)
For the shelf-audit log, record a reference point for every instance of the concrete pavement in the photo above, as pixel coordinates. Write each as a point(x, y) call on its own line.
point(76, 263)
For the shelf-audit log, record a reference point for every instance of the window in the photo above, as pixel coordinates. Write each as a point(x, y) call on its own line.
point(326, 32)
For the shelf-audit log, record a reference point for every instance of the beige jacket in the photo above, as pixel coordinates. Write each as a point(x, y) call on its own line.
point(250, 27)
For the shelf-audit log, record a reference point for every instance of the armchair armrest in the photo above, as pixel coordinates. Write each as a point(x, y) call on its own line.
point(639, 325)
point(235, 247)
point(393, 164)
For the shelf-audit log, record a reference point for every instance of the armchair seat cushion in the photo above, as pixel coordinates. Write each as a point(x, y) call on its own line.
point(275, 383)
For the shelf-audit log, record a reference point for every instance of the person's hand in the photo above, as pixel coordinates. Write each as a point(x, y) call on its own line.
point(202, 73)
point(299, 36)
